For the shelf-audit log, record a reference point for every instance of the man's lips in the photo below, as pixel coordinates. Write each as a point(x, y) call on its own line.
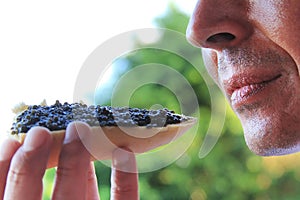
point(242, 88)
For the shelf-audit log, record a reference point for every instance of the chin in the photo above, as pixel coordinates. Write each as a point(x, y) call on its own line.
point(260, 150)
point(271, 140)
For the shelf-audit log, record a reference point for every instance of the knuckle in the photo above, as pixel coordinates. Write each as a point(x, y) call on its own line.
point(122, 190)
point(123, 187)
point(16, 175)
point(27, 163)
point(91, 176)
point(65, 171)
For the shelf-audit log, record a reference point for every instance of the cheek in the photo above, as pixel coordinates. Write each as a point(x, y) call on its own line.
point(293, 48)
point(291, 25)
point(292, 102)
point(289, 41)
point(279, 23)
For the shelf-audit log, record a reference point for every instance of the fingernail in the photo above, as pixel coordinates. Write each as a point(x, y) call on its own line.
point(72, 132)
point(75, 131)
point(35, 138)
point(124, 160)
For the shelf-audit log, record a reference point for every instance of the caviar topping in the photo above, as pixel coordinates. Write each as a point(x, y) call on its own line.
point(58, 116)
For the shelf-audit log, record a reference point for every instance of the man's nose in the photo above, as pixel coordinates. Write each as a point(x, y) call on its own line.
point(219, 24)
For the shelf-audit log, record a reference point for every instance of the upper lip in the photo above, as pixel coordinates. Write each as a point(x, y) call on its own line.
point(241, 80)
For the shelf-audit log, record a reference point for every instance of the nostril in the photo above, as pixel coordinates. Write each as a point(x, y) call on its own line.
point(220, 38)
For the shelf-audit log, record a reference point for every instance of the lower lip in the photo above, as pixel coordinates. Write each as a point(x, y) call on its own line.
point(251, 93)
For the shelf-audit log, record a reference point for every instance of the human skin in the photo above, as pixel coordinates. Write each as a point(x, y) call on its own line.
point(22, 168)
point(251, 49)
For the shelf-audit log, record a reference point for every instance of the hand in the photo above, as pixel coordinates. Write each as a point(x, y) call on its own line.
point(22, 168)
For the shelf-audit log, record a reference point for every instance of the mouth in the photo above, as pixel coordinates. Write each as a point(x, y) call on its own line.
point(244, 90)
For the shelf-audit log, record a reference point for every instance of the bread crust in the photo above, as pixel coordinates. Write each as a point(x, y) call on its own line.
point(104, 140)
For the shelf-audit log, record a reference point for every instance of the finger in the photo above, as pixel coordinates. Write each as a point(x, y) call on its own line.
point(7, 150)
point(73, 165)
point(124, 178)
point(28, 166)
point(92, 184)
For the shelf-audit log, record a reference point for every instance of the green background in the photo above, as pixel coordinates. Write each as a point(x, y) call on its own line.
point(230, 171)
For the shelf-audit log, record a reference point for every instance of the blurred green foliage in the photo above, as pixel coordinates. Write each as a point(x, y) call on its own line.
point(230, 171)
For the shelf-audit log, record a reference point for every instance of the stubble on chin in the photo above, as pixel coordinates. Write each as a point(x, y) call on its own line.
point(270, 136)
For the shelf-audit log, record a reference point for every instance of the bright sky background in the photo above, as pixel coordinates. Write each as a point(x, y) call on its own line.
point(43, 44)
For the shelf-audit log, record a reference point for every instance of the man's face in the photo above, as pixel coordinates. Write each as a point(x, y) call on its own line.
point(252, 50)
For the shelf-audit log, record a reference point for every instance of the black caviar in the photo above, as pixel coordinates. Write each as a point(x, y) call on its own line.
point(58, 116)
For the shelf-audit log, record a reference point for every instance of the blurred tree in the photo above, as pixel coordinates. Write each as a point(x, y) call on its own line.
point(230, 171)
